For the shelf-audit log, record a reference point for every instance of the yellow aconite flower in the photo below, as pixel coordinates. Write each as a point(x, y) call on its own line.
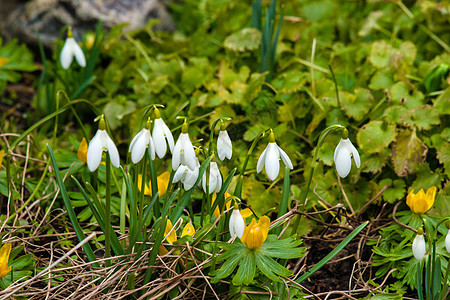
point(245, 212)
point(256, 233)
point(3, 61)
point(188, 230)
point(163, 182)
point(4, 257)
point(173, 235)
point(421, 202)
point(82, 151)
point(2, 152)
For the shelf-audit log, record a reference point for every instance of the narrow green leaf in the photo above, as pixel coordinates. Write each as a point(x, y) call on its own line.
point(247, 269)
point(284, 204)
point(229, 266)
point(73, 217)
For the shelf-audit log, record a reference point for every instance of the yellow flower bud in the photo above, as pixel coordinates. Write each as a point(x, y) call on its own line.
point(172, 237)
point(4, 257)
point(188, 230)
point(421, 202)
point(82, 151)
point(256, 233)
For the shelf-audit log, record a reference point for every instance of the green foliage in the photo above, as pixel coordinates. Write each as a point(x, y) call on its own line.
point(14, 58)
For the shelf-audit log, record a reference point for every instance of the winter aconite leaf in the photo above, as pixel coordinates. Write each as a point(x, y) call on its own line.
point(246, 39)
point(375, 136)
point(421, 117)
point(357, 105)
point(408, 152)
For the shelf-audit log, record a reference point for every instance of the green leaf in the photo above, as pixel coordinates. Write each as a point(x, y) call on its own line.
point(393, 114)
point(401, 94)
point(421, 117)
point(426, 178)
point(408, 152)
point(357, 105)
point(246, 39)
point(196, 74)
point(395, 192)
point(383, 79)
point(442, 103)
point(380, 54)
point(443, 154)
point(373, 163)
point(247, 269)
point(270, 266)
point(375, 136)
point(289, 82)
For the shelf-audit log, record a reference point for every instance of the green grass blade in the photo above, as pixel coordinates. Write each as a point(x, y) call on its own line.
point(72, 216)
point(256, 17)
point(284, 198)
point(332, 254)
point(115, 244)
point(419, 282)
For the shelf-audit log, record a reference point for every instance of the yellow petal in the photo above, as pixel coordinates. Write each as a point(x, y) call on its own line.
point(188, 230)
point(4, 257)
point(421, 202)
point(255, 238)
point(3, 61)
point(162, 250)
point(246, 212)
point(247, 231)
point(163, 182)
point(82, 151)
point(173, 235)
point(264, 224)
point(147, 190)
point(431, 194)
point(2, 152)
point(213, 199)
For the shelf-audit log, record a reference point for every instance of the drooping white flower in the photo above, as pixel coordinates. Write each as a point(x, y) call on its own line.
point(215, 178)
point(183, 152)
point(139, 144)
point(69, 50)
point(161, 133)
point(187, 176)
point(224, 147)
point(447, 241)
point(418, 245)
point(270, 157)
point(237, 223)
point(99, 143)
point(343, 156)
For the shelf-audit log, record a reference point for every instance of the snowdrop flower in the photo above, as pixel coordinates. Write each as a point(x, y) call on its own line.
point(418, 245)
point(140, 142)
point(99, 143)
point(447, 241)
point(215, 178)
point(237, 224)
point(270, 157)
point(183, 152)
point(343, 155)
point(224, 147)
point(161, 133)
point(187, 176)
point(71, 49)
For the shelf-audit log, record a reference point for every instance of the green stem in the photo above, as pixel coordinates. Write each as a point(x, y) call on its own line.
point(285, 203)
point(143, 184)
point(123, 208)
point(305, 192)
point(335, 87)
point(238, 189)
point(108, 211)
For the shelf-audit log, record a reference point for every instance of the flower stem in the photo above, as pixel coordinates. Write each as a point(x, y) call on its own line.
point(304, 194)
point(238, 189)
point(108, 211)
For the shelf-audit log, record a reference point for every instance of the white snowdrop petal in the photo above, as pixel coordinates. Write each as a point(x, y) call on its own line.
point(261, 161)
point(285, 158)
point(179, 174)
point(176, 154)
point(159, 139)
point(204, 182)
point(224, 147)
point(168, 135)
point(66, 55)
point(418, 247)
point(272, 164)
point(133, 141)
point(236, 224)
point(219, 182)
point(447, 241)
point(94, 152)
point(336, 151)
point(189, 153)
point(112, 151)
point(190, 179)
point(355, 156)
point(139, 148)
point(343, 162)
point(79, 55)
point(151, 146)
